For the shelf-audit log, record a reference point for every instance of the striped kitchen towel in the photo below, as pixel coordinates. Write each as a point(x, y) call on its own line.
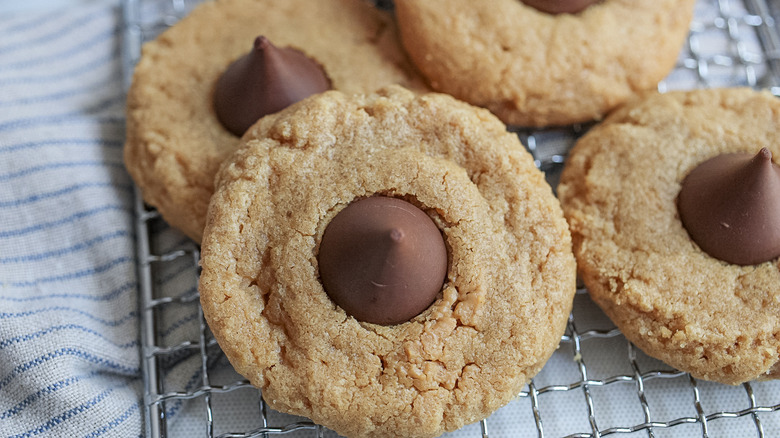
point(69, 349)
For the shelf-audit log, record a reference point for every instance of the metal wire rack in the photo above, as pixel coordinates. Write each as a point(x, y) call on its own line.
point(596, 384)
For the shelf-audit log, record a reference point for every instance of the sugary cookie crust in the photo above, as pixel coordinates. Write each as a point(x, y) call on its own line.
point(536, 69)
point(175, 143)
point(715, 320)
point(511, 275)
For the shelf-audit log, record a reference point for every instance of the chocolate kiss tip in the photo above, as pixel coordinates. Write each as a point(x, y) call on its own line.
point(765, 154)
point(397, 235)
point(262, 42)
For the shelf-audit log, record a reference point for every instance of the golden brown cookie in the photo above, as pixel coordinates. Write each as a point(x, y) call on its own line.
point(175, 142)
point(532, 68)
point(717, 320)
point(502, 309)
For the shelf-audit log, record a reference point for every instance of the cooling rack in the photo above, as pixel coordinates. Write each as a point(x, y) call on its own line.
point(596, 384)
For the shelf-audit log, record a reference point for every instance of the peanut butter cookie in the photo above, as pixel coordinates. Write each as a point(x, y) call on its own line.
point(496, 317)
point(535, 68)
point(175, 141)
point(714, 312)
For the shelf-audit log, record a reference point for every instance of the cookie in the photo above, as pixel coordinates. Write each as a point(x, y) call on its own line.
point(717, 319)
point(496, 317)
point(533, 68)
point(175, 142)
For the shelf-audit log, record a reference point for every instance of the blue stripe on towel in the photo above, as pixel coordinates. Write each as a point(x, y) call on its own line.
point(54, 33)
point(59, 252)
point(82, 408)
point(85, 356)
point(59, 165)
point(80, 91)
point(30, 24)
point(128, 189)
point(54, 329)
point(74, 275)
point(59, 309)
point(50, 389)
point(129, 286)
point(68, 116)
point(64, 221)
point(63, 142)
point(80, 48)
point(67, 73)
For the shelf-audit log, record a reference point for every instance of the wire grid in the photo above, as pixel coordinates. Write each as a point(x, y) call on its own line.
point(731, 43)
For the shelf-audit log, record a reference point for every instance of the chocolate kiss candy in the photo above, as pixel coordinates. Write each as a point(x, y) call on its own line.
point(382, 260)
point(264, 81)
point(730, 205)
point(560, 6)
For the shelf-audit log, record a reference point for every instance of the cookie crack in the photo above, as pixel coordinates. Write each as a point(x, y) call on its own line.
point(302, 233)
